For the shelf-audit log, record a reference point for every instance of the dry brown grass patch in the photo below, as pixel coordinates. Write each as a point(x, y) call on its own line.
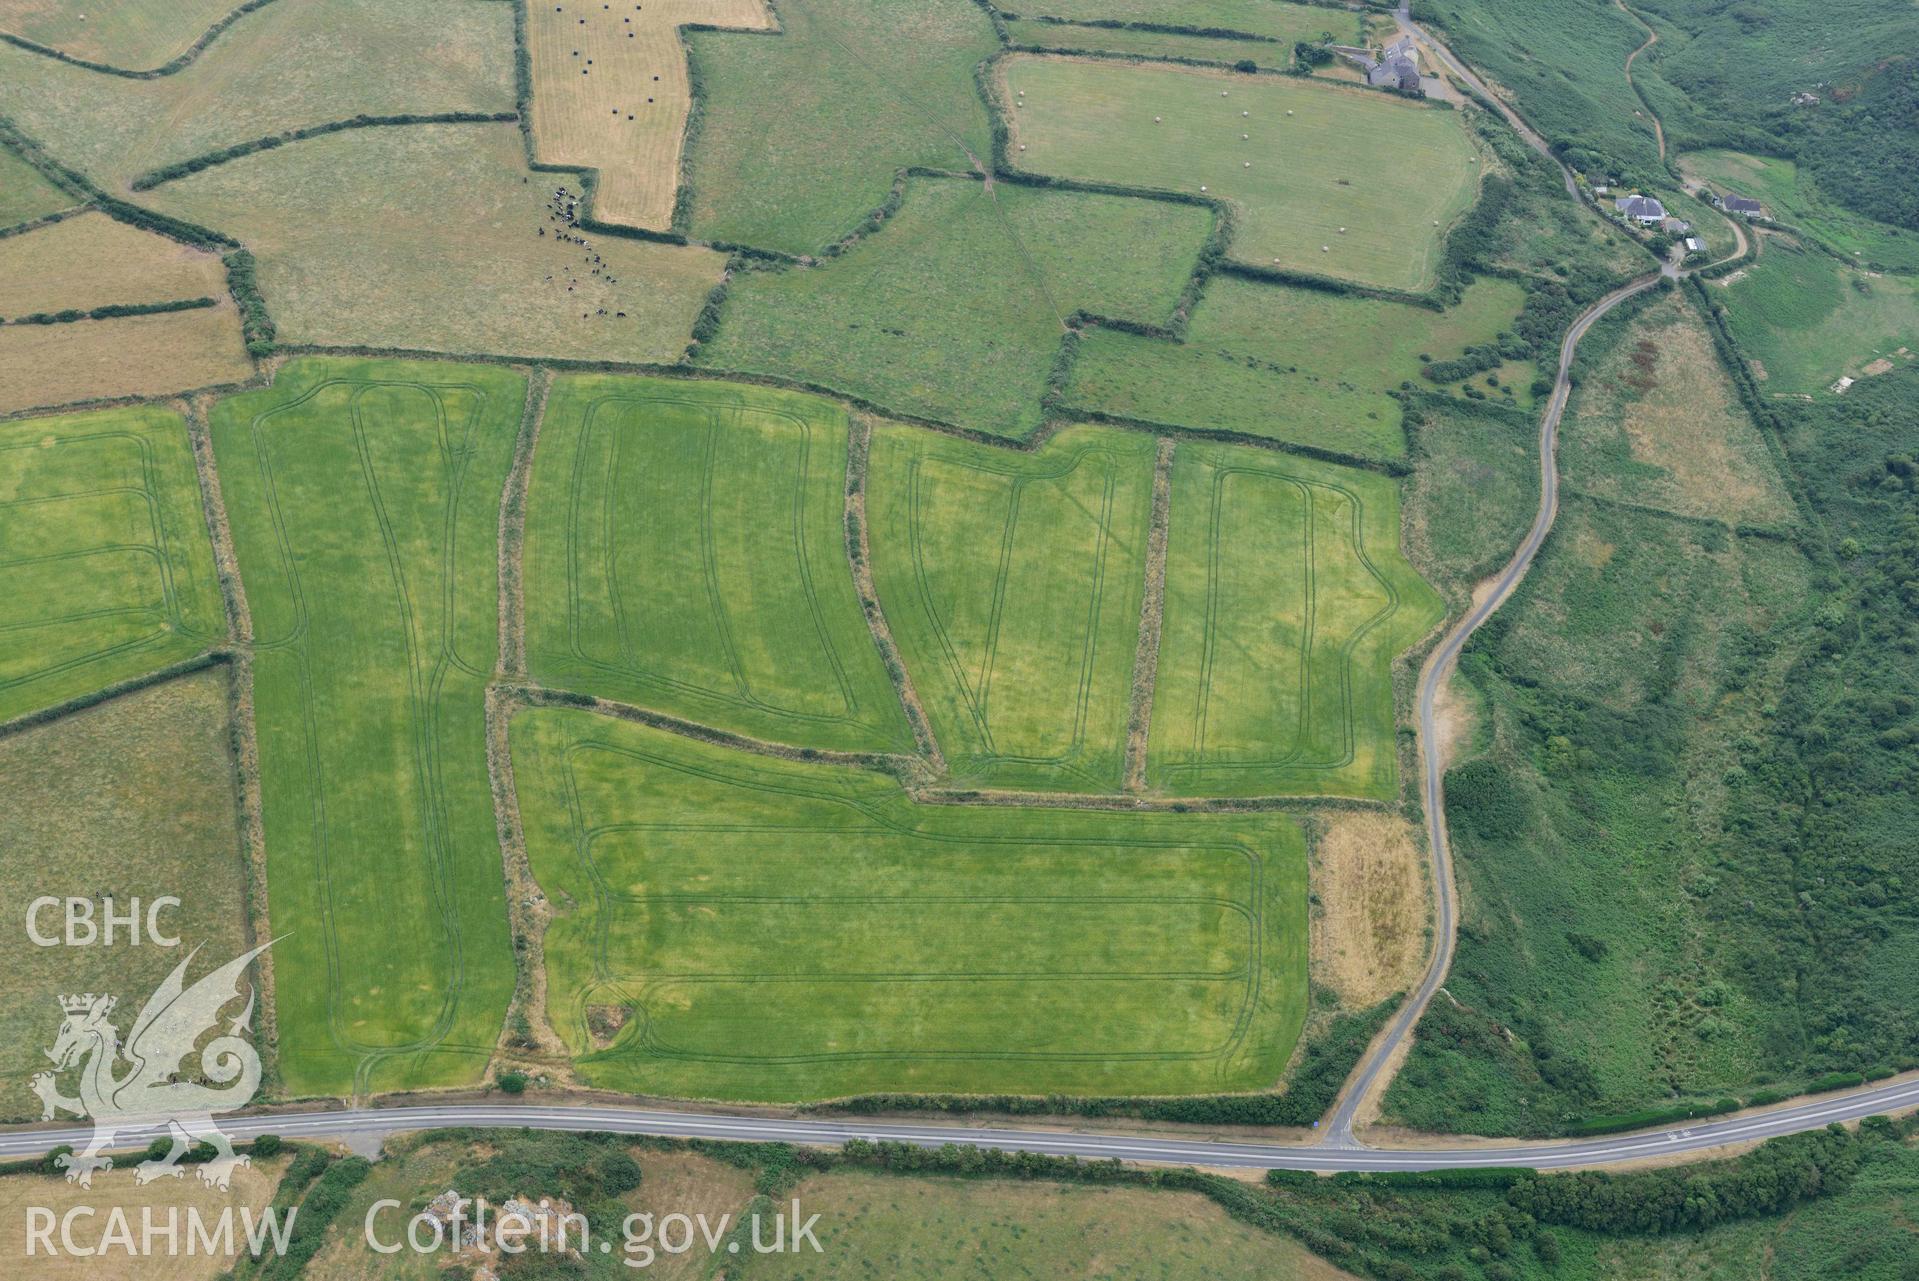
point(131, 356)
point(92, 261)
point(611, 92)
point(1369, 934)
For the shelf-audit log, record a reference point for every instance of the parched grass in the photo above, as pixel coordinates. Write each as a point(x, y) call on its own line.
point(118, 1191)
point(1393, 173)
point(135, 34)
point(1656, 421)
point(955, 308)
point(935, 1229)
point(1370, 885)
point(1806, 320)
point(1290, 364)
point(46, 365)
point(93, 261)
point(132, 798)
point(611, 93)
point(803, 131)
point(281, 68)
point(774, 930)
point(106, 572)
point(429, 237)
point(25, 194)
point(686, 552)
point(1287, 599)
point(1790, 196)
point(1011, 583)
point(364, 498)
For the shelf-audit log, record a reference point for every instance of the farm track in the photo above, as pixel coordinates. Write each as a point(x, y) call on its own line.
point(1652, 38)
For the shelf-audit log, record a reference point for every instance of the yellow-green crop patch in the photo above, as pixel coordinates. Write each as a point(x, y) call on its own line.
point(364, 499)
point(1287, 598)
point(745, 927)
point(1338, 182)
point(106, 571)
point(686, 552)
point(1011, 582)
point(1290, 364)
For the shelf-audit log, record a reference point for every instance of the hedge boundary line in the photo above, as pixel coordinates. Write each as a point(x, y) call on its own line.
point(200, 662)
point(44, 220)
point(112, 311)
point(177, 64)
point(207, 160)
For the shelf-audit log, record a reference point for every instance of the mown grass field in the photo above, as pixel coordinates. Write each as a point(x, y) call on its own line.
point(106, 571)
point(803, 131)
point(387, 259)
point(1289, 364)
point(955, 308)
point(282, 67)
point(133, 798)
point(364, 500)
point(1655, 421)
point(1011, 583)
point(92, 261)
point(1790, 196)
point(686, 552)
point(1805, 320)
point(135, 34)
point(1393, 173)
point(1287, 600)
point(930, 1229)
point(47, 365)
point(765, 929)
point(24, 193)
point(611, 93)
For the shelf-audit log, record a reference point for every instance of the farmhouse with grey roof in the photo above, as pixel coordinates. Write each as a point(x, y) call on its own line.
point(1645, 210)
point(1741, 205)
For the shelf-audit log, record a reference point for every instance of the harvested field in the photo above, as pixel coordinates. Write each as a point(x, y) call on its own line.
point(135, 34)
point(1287, 599)
point(686, 551)
point(955, 308)
point(364, 499)
point(251, 1190)
point(1288, 154)
point(45, 365)
point(105, 569)
point(1658, 423)
point(1011, 582)
point(133, 798)
point(1369, 936)
point(438, 238)
point(803, 132)
point(93, 261)
point(25, 194)
point(611, 93)
point(787, 931)
point(282, 67)
point(1290, 364)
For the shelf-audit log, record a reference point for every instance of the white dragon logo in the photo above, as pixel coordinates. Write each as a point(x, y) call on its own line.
point(146, 1095)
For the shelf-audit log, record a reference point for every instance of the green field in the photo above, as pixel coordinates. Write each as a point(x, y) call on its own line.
point(129, 799)
point(1287, 600)
point(1393, 173)
point(1805, 320)
point(1280, 23)
point(764, 929)
point(387, 259)
point(105, 565)
point(802, 132)
point(1474, 495)
point(364, 499)
point(954, 310)
point(24, 193)
point(135, 34)
point(686, 551)
point(1790, 196)
point(284, 67)
point(1290, 364)
point(1028, 33)
point(1011, 582)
